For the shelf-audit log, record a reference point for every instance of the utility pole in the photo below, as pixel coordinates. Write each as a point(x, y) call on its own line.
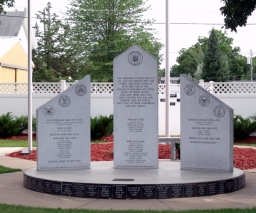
point(251, 65)
point(167, 71)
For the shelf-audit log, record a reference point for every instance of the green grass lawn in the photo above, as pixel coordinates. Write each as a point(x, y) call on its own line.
point(246, 144)
point(24, 143)
point(22, 209)
point(4, 169)
point(15, 143)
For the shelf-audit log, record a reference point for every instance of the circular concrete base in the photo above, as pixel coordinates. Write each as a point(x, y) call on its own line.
point(104, 182)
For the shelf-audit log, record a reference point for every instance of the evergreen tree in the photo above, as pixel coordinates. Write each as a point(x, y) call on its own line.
point(215, 63)
point(106, 28)
point(55, 58)
point(190, 60)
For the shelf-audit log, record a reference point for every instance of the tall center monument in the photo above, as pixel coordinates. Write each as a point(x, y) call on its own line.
point(135, 109)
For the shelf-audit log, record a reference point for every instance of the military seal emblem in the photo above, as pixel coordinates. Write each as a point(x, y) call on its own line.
point(48, 111)
point(204, 100)
point(219, 111)
point(135, 58)
point(80, 90)
point(64, 101)
point(189, 89)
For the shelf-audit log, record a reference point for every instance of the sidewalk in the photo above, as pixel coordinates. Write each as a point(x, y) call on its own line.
point(13, 192)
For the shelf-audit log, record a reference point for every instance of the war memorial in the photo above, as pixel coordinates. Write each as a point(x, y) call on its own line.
point(63, 136)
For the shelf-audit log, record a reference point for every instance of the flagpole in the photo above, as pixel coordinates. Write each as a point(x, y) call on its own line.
point(30, 89)
point(167, 71)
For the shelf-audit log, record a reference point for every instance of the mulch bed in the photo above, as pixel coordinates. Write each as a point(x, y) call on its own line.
point(244, 158)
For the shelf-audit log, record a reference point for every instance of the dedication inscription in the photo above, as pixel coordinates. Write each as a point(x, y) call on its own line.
point(135, 110)
point(206, 130)
point(63, 129)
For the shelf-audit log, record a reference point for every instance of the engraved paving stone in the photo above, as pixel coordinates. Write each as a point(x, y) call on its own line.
point(119, 191)
point(201, 189)
point(148, 192)
point(56, 188)
point(189, 190)
point(177, 191)
point(163, 191)
point(78, 190)
point(134, 191)
point(91, 191)
point(47, 187)
point(212, 188)
point(105, 191)
point(67, 189)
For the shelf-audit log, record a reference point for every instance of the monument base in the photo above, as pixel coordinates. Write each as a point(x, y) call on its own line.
point(102, 181)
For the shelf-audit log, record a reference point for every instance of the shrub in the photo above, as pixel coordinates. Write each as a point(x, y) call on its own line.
point(243, 127)
point(10, 125)
point(101, 126)
point(34, 124)
point(253, 117)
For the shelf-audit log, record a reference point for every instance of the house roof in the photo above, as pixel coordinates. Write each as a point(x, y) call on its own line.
point(11, 23)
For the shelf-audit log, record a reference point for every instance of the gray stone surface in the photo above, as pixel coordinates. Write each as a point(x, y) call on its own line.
point(63, 129)
point(206, 130)
point(135, 109)
point(13, 192)
point(102, 172)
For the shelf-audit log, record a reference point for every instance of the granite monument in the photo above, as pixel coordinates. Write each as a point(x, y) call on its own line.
point(135, 109)
point(63, 129)
point(206, 130)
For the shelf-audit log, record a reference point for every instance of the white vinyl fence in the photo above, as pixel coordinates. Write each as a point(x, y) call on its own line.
point(241, 96)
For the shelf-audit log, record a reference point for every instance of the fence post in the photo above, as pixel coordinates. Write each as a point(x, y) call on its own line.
point(211, 87)
point(201, 83)
point(62, 85)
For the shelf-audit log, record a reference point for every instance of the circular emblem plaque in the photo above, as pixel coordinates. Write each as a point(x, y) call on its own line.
point(48, 111)
point(189, 89)
point(80, 89)
point(135, 58)
point(219, 111)
point(204, 100)
point(64, 101)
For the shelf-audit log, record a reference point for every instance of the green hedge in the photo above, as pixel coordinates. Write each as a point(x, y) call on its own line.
point(243, 127)
point(101, 126)
point(12, 125)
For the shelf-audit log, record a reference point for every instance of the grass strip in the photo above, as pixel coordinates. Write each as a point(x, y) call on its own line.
point(24, 143)
point(15, 143)
point(23, 209)
point(4, 169)
point(246, 144)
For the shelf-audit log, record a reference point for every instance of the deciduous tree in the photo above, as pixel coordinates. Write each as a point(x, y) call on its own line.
point(3, 3)
point(106, 28)
point(236, 12)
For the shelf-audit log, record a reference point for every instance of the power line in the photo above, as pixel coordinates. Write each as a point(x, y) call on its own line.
point(132, 22)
